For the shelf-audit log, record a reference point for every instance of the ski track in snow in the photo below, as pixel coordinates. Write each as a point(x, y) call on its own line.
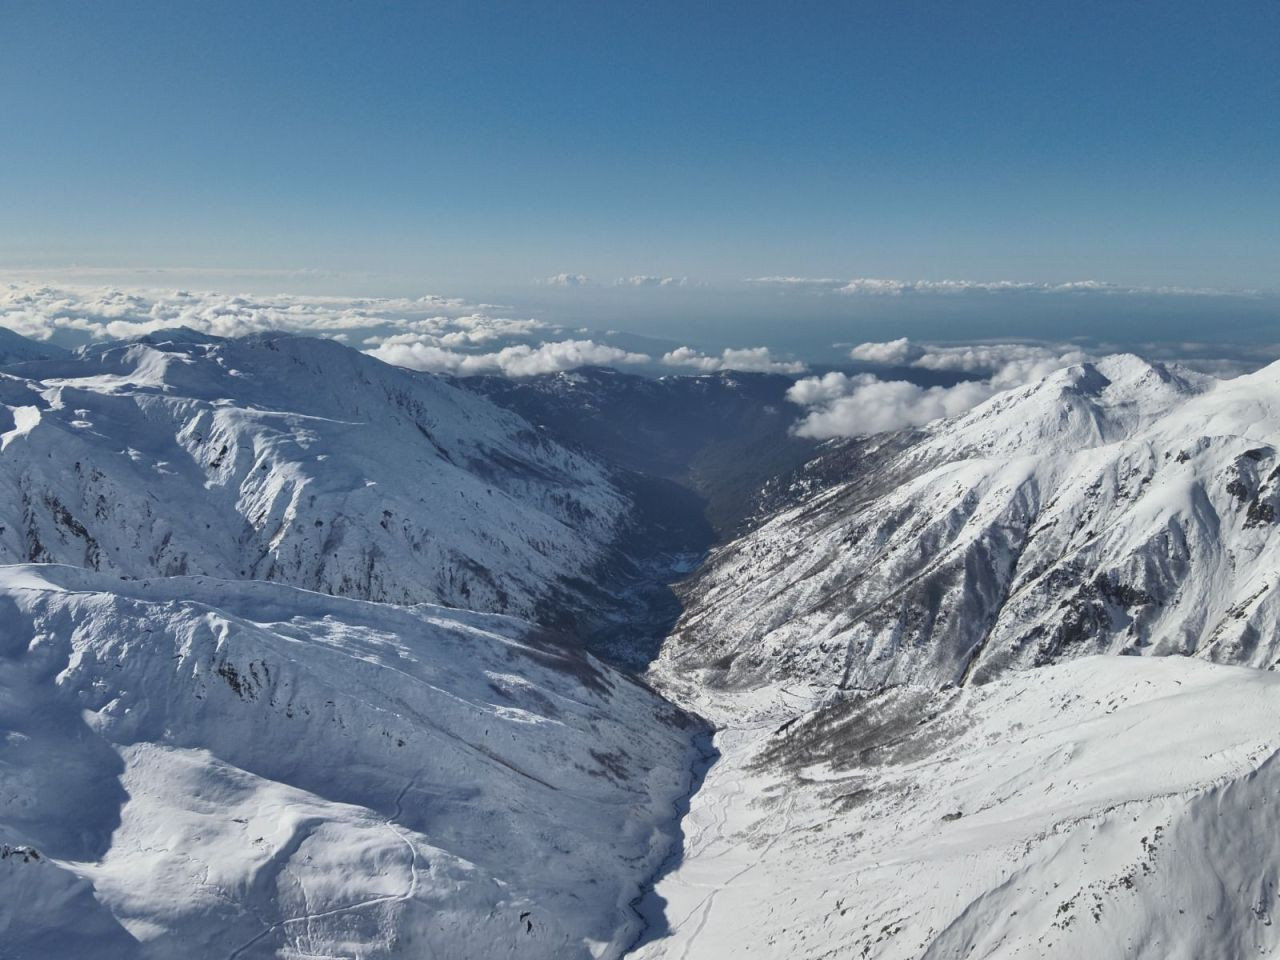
point(390, 824)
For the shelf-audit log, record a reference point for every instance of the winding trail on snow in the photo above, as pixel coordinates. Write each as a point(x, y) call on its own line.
point(408, 894)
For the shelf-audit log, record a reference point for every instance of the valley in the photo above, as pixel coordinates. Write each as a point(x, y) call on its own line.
point(1000, 687)
point(615, 481)
point(307, 655)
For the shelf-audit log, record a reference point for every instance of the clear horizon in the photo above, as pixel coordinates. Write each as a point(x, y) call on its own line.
point(462, 187)
point(564, 163)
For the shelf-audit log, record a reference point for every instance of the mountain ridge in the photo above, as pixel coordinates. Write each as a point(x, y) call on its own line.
point(300, 460)
point(1046, 522)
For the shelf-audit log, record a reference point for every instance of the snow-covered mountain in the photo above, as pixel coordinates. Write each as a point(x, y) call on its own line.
point(1118, 507)
point(918, 752)
point(918, 755)
point(297, 460)
point(203, 768)
point(15, 348)
point(1110, 807)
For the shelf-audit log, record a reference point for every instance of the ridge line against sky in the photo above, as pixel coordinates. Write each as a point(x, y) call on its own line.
point(884, 385)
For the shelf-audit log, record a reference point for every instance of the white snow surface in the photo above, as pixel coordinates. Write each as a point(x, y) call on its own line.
point(921, 754)
point(194, 767)
point(1113, 507)
point(297, 460)
point(1104, 807)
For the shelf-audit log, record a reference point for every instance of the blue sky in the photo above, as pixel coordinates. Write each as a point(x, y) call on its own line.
point(474, 148)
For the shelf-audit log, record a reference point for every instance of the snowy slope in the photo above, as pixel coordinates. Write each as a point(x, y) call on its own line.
point(1116, 507)
point(204, 763)
point(296, 460)
point(1105, 807)
point(203, 768)
point(15, 348)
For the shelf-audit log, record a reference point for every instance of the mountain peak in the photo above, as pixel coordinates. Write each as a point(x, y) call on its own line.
point(15, 348)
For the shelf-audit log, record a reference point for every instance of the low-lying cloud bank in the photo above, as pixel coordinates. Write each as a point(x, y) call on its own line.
point(108, 313)
point(639, 280)
point(435, 334)
point(518, 360)
point(567, 280)
point(843, 405)
point(754, 359)
point(647, 281)
point(881, 287)
point(438, 334)
point(849, 406)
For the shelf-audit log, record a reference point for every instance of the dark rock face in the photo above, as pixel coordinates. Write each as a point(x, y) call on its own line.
point(722, 436)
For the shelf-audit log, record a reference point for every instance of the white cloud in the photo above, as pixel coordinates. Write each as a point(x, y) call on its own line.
point(639, 280)
point(523, 360)
point(797, 282)
point(865, 404)
point(889, 352)
point(844, 406)
point(519, 360)
point(689, 357)
point(40, 311)
point(418, 355)
point(426, 333)
point(758, 358)
point(1009, 364)
point(1005, 362)
point(647, 281)
point(883, 287)
point(755, 359)
point(874, 286)
point(814, 391)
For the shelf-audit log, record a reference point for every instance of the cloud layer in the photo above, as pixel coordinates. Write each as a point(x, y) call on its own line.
point(519, 360)
point(647, 281)
point(756, 359)
point(844, 406)
point(839, 405)
point(889, 353)
point(439, 334)
point(639, 280)
point(40, 312)
point(436, 334)
point(881, 287)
